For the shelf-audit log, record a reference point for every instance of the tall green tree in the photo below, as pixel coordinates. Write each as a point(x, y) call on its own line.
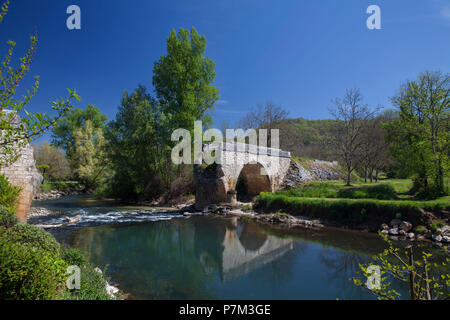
point(17, 132)
point(138, 147)
point(183, 80)
point(63, 134)
point(420, 137)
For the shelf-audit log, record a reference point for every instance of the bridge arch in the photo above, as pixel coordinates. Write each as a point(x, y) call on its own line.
point(251, 180)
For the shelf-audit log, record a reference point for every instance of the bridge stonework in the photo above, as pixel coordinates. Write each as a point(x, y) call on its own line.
point(261, 168)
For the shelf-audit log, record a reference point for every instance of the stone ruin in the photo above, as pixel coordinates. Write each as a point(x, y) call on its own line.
point(23, 173)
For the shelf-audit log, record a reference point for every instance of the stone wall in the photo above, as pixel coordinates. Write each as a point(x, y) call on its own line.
point(23, 173)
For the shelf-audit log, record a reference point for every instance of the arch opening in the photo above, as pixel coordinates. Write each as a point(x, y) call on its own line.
point(251, 182)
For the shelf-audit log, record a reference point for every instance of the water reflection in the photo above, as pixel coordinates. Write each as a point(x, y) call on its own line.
point(206, 257)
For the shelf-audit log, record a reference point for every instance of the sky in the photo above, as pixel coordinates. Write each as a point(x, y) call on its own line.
point(300, 54)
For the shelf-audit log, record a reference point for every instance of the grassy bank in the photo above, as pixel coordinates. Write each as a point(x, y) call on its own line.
point(361, 204)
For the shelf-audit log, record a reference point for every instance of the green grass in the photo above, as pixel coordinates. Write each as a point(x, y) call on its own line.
point(335, 189)
point(360, 203)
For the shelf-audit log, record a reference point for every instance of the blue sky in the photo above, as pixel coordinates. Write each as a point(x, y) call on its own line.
point(298, 53)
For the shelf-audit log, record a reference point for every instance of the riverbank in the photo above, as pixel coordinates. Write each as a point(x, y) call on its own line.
point(379, 207)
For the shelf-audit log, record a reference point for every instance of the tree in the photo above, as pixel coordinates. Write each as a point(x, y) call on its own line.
point(183, 80)
point(350, 116)
point(420, 136)
point(52, 161)
point(374, 149)
point(264, 117)
point(63, 134)
point(426, 279)
point(138, 147)
point(17, 131)
point(88, 158)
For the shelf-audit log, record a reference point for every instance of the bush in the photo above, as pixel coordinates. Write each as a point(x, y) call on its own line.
point(74, 257)
point(34, 236)
point(7, 217)
point(92, 282)
point(9, 194)
point(29, 272)
point(420, 229)
point(435, 226)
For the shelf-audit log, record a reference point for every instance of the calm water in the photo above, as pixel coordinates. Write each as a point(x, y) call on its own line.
point(160, 255)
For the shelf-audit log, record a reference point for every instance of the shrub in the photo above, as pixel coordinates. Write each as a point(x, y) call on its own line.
point(92, 282)
point(420, 229)
point(34, 236)
point(435, 226)
point(29, 272)
point(73, 257)
point(7, 217)
point(9, 194)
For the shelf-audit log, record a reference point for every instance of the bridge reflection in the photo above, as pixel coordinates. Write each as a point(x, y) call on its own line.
point(245, 248)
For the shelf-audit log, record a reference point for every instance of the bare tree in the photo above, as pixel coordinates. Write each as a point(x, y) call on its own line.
point(264, 117)
point(350, 115)
point(374, 149)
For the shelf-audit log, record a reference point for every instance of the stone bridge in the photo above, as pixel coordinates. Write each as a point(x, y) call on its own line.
point(241, 171)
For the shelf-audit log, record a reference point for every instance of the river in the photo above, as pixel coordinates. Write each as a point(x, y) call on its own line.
point(153, 254)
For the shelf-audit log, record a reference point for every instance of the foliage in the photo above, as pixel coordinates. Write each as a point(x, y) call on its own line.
point(29, 272)
point(17, 132)
point(138, 148)
point(420, 229)
point(420, 136)
point(9, 194)
point(435, 226)
point(88, 157)
point(34, 236)
point(425, 280)
point(7, 217)
point(182, 79)
point(92, 286)
point(63, 134)
point(51, 162)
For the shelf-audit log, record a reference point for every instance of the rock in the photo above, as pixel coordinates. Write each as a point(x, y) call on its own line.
point(402, 232)
point(296, 174)
point(393, 231)
point(98, 270)
point(446, 239)
point(111, 290)
point(420, 237)
point(445, 230)
point(410, 235)
point(406, 226)
point(384, 231)
point(395, 223)
point(384, 226)
point(186, 214)
point(436, 237)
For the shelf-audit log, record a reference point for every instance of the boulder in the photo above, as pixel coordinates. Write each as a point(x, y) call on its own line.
point(395, 223)
point(410, 235)
point(436, 237)
point(393, 231)
point(446, 239)
point(406, 226)
point(402, 232)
